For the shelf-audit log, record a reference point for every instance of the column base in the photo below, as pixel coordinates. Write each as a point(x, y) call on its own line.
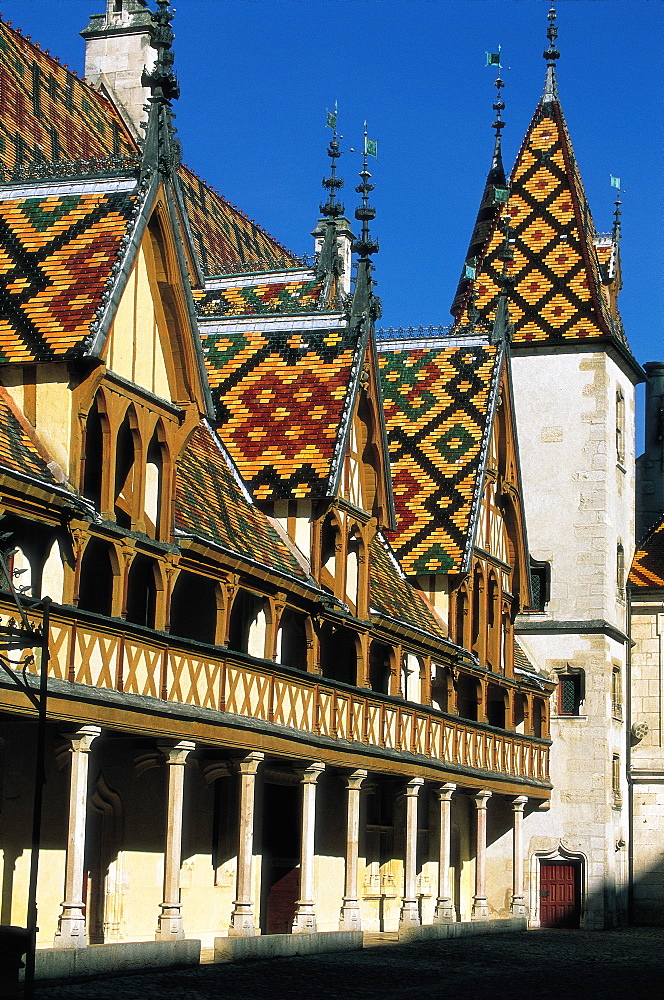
point(305, 919)
point(410, 914)
point(242, 922)
point(170, 927)
point(71, 933)
point(480, 909)
point(444, 912)
point(350, 916)
point(518, 907)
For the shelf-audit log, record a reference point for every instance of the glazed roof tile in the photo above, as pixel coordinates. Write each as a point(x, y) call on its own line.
point(225, 238)
point(211, 504)
point(437, 407)
point(48, 114)
point(299, 295)
point(394, 596)
point(648, 566)
point(280, 398)
point(56, 257)
point(557, 295)
point(17, 450)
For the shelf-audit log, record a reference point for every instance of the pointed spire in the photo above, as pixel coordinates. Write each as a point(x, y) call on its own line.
point(161, 148)
point(495, 194)
point(502, 328)
point(551, 55)
point(329, 264)
point(365, 304)
point(332, 209)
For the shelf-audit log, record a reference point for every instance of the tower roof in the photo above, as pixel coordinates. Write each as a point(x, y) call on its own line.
point(560, 292)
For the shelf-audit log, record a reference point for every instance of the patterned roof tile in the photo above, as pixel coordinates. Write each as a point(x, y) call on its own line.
point(49, 114)
point(17, 451)
point(211, 504)
point(436, 407)
point(395, 597)
point(223, 236)
point(56, 258)
point(557, 294)
point(297, 296)
point(280, 400)
point(648, 566)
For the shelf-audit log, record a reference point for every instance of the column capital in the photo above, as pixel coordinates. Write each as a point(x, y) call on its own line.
point(312, 773)
point(81, 741)
point(355, 779)
point(519, 802)
point(482, 797)
point(414, 785)
point(176, 753)
point(446, 791)
point(250, 763)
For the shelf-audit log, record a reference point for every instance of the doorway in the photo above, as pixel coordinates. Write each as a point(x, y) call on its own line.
point(560, 894)
point(280, 882)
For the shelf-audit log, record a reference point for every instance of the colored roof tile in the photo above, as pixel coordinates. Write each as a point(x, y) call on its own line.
point(437, 404)
point(297, 296)
point(648, 566)
point(49, 114)
point(557, 295)
point(17, 451)
point(394, 596)
point(211, 504)
point(225, 238)
point(57, 254)
point(280, 400)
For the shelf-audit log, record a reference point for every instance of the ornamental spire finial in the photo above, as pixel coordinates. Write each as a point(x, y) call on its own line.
point(365, 303)
point(551, 55)
point(498, 106)
point(332, 209)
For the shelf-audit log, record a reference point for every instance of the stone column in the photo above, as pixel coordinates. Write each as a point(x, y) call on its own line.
point(480, 909)
point(518, 904)
point(170, 927)
point(444, 912)
point(350, 911)
point(305, 914)
point(242, 917)
point(410, 914)
point(71, 932)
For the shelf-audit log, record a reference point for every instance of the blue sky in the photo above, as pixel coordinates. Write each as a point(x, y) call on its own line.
point(258, 75)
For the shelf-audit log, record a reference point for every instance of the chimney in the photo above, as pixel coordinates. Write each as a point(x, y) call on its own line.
point(117, 50)
point(650, 465)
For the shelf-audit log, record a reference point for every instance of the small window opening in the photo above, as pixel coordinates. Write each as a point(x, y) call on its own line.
point(141, 592)
point(292, 639)
point(570, 694)
point(540, 580)
point(380, 657)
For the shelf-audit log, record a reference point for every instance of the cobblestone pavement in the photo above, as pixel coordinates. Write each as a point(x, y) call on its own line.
point(537, 965)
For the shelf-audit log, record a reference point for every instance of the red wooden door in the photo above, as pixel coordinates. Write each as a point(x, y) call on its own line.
point(560, 891)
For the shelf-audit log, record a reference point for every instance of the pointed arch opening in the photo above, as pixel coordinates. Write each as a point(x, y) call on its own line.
point(155, 465)
point(330, 546)
point(142, 591)
point(96, 580)
point(94, 450)
point(380, 666)
point(195, 608)
point(292, 643)
point(126, 449)
point(248, 624)
point(338, 653)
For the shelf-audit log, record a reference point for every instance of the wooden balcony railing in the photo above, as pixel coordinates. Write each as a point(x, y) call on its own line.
point(111, 654)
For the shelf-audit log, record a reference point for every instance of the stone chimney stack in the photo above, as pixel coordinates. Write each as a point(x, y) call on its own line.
point(650, 465)
point(117, 50)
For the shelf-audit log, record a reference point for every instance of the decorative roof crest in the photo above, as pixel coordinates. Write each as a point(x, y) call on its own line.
point(551, 55)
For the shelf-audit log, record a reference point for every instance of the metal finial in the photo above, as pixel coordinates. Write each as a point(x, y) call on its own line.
point(162, 81)
point(332, 209)
point(365, 245)
point(551, 55)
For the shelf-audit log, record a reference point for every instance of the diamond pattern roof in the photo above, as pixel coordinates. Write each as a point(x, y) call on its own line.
point(299, 295)
point(210, 503)
point(557, 294)
point(223, 236)
point(393, 596)
point(437, 408)
point(49, 114)
point(56, 254)
point(280, 402)
point(648, 566)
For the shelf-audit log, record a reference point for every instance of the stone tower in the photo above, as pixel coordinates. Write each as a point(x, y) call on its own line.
point(118, 49)
point(574, 379)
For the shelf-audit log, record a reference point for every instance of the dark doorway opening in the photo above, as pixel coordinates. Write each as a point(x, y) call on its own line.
point(280, 882)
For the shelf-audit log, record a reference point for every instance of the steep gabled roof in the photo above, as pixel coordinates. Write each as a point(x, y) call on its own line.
point(392, 595)
point(211, 504)
point(557, 295)
point(438, 403)
point(56, 257)
point(648, 566)
point(49, 114)
point(283, 395)
point(225, 239)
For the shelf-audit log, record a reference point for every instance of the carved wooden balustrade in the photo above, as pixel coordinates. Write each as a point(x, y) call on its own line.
point(108, 653)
